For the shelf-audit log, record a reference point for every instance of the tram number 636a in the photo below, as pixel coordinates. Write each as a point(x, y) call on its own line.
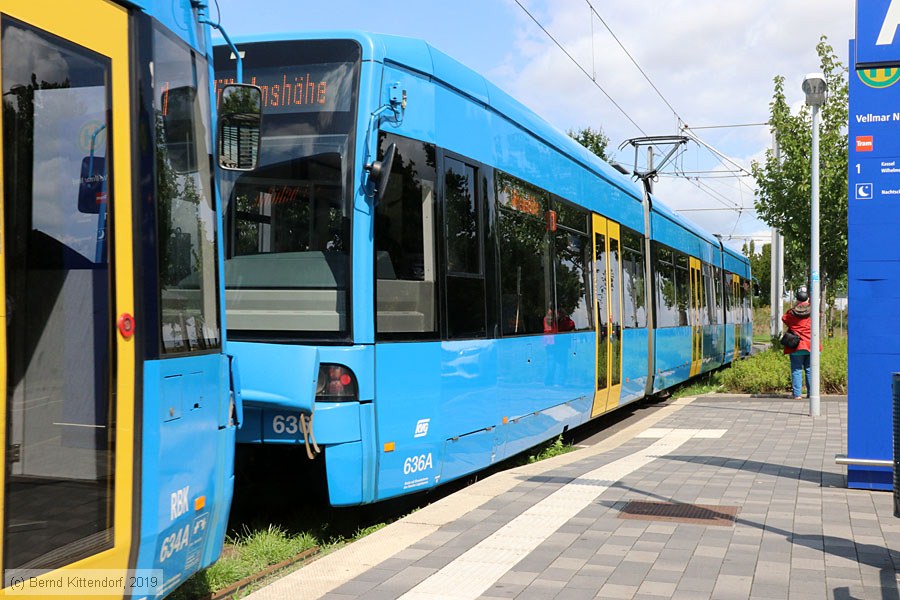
point(414, 464)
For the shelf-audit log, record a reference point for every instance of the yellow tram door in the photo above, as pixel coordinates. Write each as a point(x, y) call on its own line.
point(67, 414)
point(607, 314)
point(696, 324)
point(736, 312)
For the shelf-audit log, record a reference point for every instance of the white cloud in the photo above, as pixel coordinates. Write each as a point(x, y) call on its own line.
point(715, 65)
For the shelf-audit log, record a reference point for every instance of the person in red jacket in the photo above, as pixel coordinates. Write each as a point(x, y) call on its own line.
point(799, 321)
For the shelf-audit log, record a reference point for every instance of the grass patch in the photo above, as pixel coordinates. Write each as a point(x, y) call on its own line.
point(554, 448)
point(769, 372)
point(245, 554)
point(708, 383)
point(761, 318)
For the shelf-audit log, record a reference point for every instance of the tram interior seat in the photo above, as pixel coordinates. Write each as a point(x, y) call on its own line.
point(404, 305)
point(287, 291)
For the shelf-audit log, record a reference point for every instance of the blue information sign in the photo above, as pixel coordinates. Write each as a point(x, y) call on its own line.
point(873, 223)
point(874, 158)
point(877, 36)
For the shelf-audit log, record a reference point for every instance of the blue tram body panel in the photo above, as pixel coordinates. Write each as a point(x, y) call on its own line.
point(189, 417)
point(670, 230)
point(432, 410)
point(188, 466)
point(673, 357)
point(408, 414)
point(634, 364)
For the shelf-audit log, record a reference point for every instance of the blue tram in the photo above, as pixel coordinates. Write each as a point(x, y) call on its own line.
point(118, 421)
point(424, 278)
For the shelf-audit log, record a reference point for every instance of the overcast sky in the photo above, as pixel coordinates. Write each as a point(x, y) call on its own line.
point(712, 61)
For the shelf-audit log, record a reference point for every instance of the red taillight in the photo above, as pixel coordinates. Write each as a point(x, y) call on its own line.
point(336, 384)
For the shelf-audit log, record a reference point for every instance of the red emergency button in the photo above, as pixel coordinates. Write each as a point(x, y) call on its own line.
point(126, 325)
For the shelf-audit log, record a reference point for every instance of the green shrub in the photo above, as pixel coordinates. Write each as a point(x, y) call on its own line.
point(769, 372)
point(833, 366)
point(549, 450)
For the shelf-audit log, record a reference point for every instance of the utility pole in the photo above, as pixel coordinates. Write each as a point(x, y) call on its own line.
point(777, 251)
point(815, 89)
point(775, 306)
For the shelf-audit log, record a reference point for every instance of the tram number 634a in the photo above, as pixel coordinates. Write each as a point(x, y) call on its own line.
point(414, 464)
point(175, 543)
point(285, 424)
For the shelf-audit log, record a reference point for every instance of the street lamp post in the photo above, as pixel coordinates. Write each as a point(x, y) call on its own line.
point(814, 87)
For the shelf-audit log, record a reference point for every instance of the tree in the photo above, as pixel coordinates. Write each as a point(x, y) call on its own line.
point(595, 141)
point(761, 268)
point(784, 187)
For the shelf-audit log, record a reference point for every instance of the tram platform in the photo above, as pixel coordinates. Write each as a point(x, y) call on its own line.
point(745, 501)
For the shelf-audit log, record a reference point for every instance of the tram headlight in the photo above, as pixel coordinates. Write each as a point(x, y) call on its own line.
point(336, 384)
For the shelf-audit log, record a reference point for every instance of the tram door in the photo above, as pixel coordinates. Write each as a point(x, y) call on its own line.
point(66, 419)
point(608, 314)
point(697, 295)
point(736, 311)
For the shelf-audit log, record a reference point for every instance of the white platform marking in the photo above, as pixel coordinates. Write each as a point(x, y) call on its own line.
point(470, 575)
point(658, 432)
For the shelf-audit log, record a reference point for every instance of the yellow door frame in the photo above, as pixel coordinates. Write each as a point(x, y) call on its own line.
point(736, 309)
point(600, 394)
point(102, 27)
point(607, 398)
point(614, 288)
point(696, 326)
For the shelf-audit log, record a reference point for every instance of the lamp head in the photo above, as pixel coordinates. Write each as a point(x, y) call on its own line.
point(814, 87)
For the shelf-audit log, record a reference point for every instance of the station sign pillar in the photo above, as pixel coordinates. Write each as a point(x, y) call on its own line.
point(873, 244)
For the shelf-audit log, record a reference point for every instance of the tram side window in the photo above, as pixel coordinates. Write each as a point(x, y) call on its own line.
point(717, 295)
point(709, 289)
point(526, 285)
point(635, 306)
point(666, 312)
point(702, 283)
point(682, 287)
point(732, 299)
point(745, 300)
point(726, 296)
point(404, 243)
point(465, 285)
point(572, 258)
point(186, 211)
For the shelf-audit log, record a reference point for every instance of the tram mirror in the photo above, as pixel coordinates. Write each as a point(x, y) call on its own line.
point(240, 117)
point(756, 291)
point(92, 185)
point(380, 171)
point(178, 120)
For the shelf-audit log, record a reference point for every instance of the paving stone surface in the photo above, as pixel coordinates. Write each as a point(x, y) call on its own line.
point(799, 532)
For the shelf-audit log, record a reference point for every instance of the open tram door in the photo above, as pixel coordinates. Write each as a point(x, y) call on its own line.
point(68, 372)
point(697, 296)
point(607, 314)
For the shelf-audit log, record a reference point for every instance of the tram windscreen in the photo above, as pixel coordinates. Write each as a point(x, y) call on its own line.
point(287, 252)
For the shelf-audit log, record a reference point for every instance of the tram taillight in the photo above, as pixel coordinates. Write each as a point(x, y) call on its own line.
point(336, 384)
